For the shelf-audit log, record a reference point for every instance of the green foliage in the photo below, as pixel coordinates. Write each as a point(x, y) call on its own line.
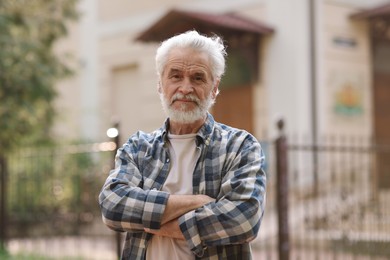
point(29, 68)
point(4, 254)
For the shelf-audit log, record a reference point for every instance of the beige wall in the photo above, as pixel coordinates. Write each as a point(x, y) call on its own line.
point(346, 72)
point(129, 86)
point(123, 9)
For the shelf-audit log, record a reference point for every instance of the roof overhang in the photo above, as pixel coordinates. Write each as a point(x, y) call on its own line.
point(175, 22)
point(380, 11)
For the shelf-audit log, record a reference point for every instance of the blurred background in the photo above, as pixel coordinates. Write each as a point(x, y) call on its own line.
point(309, 78)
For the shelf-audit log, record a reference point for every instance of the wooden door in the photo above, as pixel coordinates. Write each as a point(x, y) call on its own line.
point(381, 98)
point(234, 107)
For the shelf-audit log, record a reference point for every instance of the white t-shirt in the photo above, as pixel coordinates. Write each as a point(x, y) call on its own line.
point(183, 155)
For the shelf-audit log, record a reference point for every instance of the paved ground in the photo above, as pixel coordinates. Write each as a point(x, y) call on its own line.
point(66, 247)
point(104, 249)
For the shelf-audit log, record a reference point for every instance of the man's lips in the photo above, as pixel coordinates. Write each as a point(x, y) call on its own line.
point(184, 100)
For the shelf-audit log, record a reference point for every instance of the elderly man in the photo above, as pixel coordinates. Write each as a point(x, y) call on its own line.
point(195, 188)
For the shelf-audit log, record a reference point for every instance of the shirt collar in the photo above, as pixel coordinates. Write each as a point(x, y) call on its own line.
point(203, 135)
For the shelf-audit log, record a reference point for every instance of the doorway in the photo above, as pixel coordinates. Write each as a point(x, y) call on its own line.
point(381, 98)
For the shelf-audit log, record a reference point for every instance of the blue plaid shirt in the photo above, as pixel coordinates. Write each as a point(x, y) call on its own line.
point(229, 169)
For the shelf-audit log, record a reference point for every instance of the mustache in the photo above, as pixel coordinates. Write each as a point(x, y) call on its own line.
point(188, 97)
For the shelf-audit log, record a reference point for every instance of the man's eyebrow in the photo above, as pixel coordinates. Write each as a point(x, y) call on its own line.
point(200, 73)
point(174, 69)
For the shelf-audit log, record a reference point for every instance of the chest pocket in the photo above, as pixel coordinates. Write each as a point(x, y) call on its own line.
point(154, 172)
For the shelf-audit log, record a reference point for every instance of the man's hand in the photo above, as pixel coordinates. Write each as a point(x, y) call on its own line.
point(179, 205)
point(170, 229)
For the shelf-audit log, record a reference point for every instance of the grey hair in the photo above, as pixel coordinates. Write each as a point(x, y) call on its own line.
point(213, 46)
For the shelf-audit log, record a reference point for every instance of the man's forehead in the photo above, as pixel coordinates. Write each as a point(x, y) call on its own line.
point(182, 66)
point(187, 59)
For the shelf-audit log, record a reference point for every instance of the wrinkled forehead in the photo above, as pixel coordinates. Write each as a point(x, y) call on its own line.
point(187, 59)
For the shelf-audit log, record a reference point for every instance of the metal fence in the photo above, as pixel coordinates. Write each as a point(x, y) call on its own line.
point(327, 201)
point(52, 201)
point(323, 201)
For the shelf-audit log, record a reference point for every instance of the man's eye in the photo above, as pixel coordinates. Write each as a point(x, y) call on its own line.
point(199, 78)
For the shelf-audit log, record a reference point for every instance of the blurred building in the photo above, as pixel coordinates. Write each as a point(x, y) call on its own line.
point(321, 65)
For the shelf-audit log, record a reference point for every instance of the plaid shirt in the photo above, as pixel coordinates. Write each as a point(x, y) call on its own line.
point(229, 169)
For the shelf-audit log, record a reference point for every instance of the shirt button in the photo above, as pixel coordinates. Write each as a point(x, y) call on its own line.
point(167, 160)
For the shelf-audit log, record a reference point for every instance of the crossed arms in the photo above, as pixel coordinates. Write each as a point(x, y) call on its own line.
point(129, 203)
point(177, 206)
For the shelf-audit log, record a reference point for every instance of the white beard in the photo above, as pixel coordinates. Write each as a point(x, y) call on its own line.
point(183, 116)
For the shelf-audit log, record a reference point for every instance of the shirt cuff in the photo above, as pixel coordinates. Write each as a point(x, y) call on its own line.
point(154, 208)
point(188, 227)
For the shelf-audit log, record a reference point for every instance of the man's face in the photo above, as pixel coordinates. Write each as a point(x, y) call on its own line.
point(187, 89)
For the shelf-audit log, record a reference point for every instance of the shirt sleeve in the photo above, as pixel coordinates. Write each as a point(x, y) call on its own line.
point(236, 215)
point(125, 206)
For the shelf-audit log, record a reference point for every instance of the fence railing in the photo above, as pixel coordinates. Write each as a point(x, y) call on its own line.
point(340, 213)
point(52, 193)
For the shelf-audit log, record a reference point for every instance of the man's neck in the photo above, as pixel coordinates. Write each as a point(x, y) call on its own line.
point(182, 129)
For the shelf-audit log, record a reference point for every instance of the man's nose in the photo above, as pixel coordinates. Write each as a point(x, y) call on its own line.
point(186, 86)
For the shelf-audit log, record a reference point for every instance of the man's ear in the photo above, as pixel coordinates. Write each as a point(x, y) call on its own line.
point(216, 88)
